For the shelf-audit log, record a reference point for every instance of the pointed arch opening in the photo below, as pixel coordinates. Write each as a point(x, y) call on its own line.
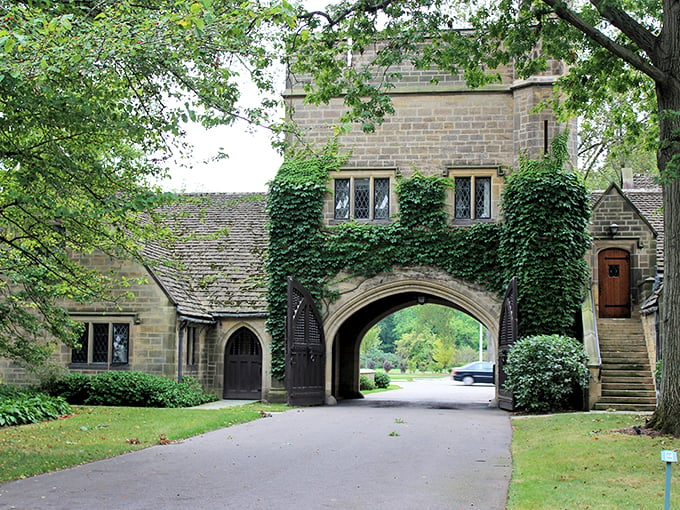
point(243, 366)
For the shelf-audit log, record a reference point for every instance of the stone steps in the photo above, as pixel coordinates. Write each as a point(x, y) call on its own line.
point(627, 383)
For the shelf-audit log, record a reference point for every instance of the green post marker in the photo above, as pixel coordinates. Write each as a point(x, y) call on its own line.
point(668, 456)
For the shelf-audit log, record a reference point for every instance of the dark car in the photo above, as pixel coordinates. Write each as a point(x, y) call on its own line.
point(477, 372)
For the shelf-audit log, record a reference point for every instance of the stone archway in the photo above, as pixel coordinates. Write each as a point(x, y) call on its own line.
point(363, 302)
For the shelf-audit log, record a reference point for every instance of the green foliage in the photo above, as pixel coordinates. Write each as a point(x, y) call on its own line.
point(20, 407)
point(382, 380)
point(74, 387)
point(420, 200)
point(544, 240)
point(94, 102)
point(295, 202)
point(365, 383)
point(136, 389)
point(370, 343)
point(544, 372)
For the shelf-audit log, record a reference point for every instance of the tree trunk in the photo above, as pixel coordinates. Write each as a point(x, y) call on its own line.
point(667, 416)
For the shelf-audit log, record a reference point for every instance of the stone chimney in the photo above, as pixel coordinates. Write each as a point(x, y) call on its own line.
point(627, 179)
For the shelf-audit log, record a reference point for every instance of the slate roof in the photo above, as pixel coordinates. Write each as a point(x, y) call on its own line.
point(216, 267)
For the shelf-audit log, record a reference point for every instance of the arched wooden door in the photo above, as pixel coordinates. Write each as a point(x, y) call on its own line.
point(243, 366)
point(613, 274)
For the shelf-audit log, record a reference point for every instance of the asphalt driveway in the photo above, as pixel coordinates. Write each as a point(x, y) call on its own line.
point(393, 450)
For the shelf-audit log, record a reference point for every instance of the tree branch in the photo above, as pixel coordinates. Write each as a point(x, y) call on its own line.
point(613, 47)
point(629, 26)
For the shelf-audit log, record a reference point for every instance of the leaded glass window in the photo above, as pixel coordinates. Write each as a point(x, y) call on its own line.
point(120, 343)
point(463, 198)
point(342, 199)
point(483, 197)
point(80, 355)
point(381, 194)
point(100, 343)
point(103, 342)
point(362, 199)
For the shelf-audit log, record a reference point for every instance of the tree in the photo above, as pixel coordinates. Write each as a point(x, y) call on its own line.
point(94, 100)
point(609, 46)
point(371, 342)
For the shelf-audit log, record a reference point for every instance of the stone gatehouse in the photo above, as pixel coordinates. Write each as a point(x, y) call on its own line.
point(205, 316)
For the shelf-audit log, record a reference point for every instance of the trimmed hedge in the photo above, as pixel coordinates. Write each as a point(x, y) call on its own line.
point(134, 389)
point(382, 380)
point(365, 383)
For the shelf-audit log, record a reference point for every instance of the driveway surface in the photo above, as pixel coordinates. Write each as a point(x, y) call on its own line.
point(432, 445)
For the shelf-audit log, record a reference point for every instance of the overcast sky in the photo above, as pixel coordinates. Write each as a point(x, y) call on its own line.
point(252, 161)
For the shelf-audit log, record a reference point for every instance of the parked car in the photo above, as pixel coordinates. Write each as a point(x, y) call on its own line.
point(477, 372)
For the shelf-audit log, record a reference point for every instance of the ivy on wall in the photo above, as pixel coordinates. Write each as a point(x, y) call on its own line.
point(546, 209)
point(483, 253)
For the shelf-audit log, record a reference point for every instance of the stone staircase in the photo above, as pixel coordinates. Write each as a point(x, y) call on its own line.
point(627, 380)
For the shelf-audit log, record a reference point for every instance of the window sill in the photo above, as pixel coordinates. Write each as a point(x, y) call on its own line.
point(360, 222)
point(99, 366)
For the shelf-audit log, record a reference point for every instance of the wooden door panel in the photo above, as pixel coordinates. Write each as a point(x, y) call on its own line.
point(243, 366)
point(613, 271)
point(305, 349)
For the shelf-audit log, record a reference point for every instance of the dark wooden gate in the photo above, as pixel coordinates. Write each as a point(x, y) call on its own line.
point(243, 366)
point(507, 335)
point(613, 275)
point(305, 349)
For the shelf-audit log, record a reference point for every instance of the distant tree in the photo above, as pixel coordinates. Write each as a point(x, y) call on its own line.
point(387, 335)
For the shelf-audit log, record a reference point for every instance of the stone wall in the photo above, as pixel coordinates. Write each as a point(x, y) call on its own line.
point(634, 235)
point(152, 319)
point(442, 128)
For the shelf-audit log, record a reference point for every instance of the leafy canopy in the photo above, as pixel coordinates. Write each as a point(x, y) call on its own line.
point(94, 101)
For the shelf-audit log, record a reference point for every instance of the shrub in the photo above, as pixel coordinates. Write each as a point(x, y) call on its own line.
point(544, 371)
point(135, 389)
point(31, 407)
point(73, 387)
point(382, 380)
point(387, 366)
point(365, 383)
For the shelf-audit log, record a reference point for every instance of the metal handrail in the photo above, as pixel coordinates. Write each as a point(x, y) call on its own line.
point(591, 339)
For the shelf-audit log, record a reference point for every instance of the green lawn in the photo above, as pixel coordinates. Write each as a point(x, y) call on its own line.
point(579, 461)
point(94, 433)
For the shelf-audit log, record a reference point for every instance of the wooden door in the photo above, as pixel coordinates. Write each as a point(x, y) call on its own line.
point(243, 366)
point(507, 336)
point(305, 349)
point(613, 274)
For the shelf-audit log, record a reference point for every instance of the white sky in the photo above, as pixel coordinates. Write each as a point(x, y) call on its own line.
point(252, 161)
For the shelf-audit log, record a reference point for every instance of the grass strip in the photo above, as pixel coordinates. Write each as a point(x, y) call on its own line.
point(94, 433)
point(583, 461)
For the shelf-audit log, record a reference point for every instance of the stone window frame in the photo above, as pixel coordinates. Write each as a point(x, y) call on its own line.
point(111, 321)
point(371, 175)
point(473, 173)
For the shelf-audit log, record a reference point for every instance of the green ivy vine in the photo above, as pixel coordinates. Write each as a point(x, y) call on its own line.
point(484, 253)
point(546, 209)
